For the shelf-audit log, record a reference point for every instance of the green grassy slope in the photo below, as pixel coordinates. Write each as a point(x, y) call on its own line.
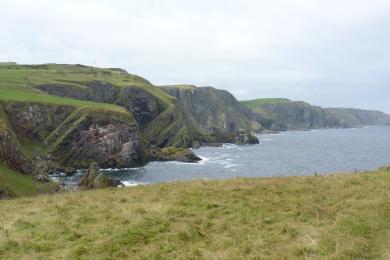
point(344, 216)
point(14, 184)
point(17, 82)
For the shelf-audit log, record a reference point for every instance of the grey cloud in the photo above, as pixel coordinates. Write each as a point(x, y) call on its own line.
point(330, 53)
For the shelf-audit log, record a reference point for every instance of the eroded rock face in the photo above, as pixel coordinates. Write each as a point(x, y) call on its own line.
point(36, 121)
point(98, 91)
point(217, 115)
point(144, 106)
point(212, 108)
point(11, 155)
point(111, 142)
point(141, 103)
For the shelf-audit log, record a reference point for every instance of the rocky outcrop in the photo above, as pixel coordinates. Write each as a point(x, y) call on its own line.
point(93, 179)
point(108, 137)
point(174, 154)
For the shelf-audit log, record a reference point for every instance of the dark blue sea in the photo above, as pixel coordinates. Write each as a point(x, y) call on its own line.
point(283, 154)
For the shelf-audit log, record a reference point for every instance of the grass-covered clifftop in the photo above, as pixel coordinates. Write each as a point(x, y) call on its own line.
point(341, 216)
point(284, 114)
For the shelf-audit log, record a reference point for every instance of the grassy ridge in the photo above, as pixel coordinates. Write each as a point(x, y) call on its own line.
point(345, 216)
point(23, 79)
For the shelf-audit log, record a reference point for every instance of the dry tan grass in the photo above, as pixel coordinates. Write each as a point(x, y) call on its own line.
point(344, 216)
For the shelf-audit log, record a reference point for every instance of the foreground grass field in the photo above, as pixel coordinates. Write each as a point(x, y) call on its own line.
point(344, 216)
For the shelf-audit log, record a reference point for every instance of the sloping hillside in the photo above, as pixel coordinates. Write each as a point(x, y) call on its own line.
point(343, 216)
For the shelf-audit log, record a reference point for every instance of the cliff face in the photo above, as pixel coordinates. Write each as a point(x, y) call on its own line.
point(212, 109)
point(170, 116)
point(74, 136)
point(360, 117)
point(297, 115)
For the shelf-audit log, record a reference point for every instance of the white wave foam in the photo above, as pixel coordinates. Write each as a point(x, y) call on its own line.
point(132, 183)
point(229, 146)
point(204, 160)
point(230, 165)
point(119, 169)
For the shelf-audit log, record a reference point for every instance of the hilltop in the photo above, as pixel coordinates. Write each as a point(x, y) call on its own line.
point(342, 216)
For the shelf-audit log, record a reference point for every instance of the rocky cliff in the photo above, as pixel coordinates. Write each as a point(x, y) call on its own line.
point(214, 113)
point(166, 116)
point(74, 136)
point(55, 116)
point(283, 114)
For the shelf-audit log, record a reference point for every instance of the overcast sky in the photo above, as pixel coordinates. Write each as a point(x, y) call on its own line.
point(326, 52)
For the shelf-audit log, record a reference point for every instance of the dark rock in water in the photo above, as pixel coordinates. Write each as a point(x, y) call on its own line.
point(101, 182)
point(93, 179)
point(174, 154)
point(87, 181)
point(118, 183)
point(189, 157)
point(69, 171)
point(246, 138)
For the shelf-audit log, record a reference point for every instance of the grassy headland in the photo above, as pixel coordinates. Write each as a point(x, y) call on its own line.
point(342, 216)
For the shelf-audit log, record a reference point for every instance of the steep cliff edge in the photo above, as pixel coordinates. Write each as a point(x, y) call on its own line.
point(164, 118)
point(283, 114)
point(215, 113)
